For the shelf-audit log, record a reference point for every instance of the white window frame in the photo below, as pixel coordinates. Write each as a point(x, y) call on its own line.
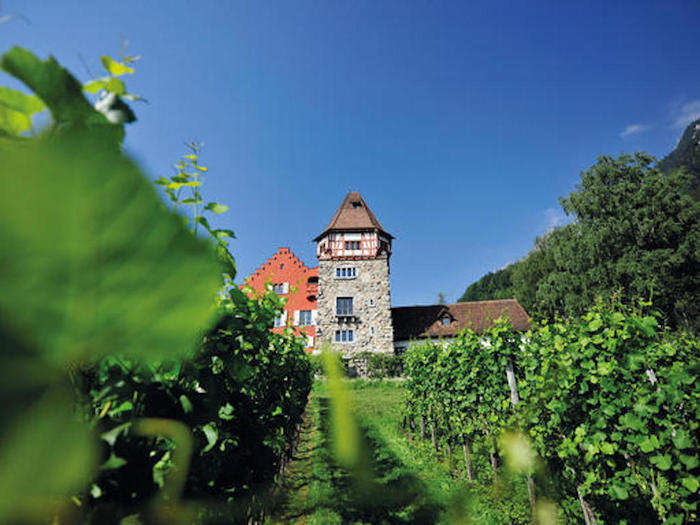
point(299, 319)
point(349, 271)
point(280, 288)
point(344, 336)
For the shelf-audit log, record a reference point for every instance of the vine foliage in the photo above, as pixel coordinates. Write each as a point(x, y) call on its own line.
point(609, 401)
point(130, 375)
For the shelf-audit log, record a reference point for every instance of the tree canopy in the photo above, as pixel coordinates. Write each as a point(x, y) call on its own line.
point(634, 234)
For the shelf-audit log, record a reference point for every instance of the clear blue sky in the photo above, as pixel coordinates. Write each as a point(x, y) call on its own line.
point(461, 123)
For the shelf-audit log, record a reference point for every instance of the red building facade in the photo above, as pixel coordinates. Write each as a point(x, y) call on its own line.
point(298, 284)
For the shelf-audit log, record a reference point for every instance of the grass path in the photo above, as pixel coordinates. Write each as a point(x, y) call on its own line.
point(293, 493)
point(399, 480)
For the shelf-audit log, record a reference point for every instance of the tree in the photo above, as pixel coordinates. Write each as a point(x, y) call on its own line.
point(635, 234)
point(638, 233)
point(493, 285)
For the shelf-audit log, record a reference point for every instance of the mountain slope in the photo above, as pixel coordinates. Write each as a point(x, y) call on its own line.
point(686, 155)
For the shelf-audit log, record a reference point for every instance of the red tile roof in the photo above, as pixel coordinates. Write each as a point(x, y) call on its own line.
point(353, 215)
point(419, 322)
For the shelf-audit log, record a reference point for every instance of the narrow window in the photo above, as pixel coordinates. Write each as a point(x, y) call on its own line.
point(337, 272)
point(345, 335)
point(350, 336)
point(304, 317)
point(343, 272)
point(371, 330)
point(337, 335)
point(344, 306)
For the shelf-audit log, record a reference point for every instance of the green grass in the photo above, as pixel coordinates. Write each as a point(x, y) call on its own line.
point(397, 479)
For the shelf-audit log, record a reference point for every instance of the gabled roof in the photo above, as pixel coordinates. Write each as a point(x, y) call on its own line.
point(283, 254)
point(420, 322)
point(353, 215)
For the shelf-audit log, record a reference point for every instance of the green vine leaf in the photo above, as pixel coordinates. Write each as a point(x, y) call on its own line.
point(116, 68)
point(663, 462)
point(120, 274)
point(109, 84)
point(212, 436)
point(215, 207)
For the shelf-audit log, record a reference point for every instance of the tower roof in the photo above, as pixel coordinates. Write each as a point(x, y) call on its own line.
point(353, 215)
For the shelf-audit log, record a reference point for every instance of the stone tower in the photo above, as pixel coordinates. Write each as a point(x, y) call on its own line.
point(354, 303)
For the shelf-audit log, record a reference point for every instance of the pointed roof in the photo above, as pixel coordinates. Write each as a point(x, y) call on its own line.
point(353, 215)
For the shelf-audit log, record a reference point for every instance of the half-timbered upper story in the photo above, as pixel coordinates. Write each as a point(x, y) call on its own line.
point(353, 233)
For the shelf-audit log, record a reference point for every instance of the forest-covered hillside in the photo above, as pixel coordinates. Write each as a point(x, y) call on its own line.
point(635, 234)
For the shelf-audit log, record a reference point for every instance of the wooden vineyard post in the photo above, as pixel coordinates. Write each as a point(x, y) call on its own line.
point(588, 515)
point(515, 399)
point(494, 462)
point(467, 458)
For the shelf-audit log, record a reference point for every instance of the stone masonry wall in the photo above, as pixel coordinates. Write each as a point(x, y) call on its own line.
point(371, 283)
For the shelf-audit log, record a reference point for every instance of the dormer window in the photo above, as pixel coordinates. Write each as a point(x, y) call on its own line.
point(445, 320)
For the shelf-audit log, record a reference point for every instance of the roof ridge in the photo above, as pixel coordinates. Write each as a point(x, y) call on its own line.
point(458, 303)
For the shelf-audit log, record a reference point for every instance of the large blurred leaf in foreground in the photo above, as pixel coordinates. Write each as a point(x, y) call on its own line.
point(92, 263)
point(44, 457)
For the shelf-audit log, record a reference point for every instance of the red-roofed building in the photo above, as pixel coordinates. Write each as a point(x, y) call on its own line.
point(446, 321)
point(345, 301)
